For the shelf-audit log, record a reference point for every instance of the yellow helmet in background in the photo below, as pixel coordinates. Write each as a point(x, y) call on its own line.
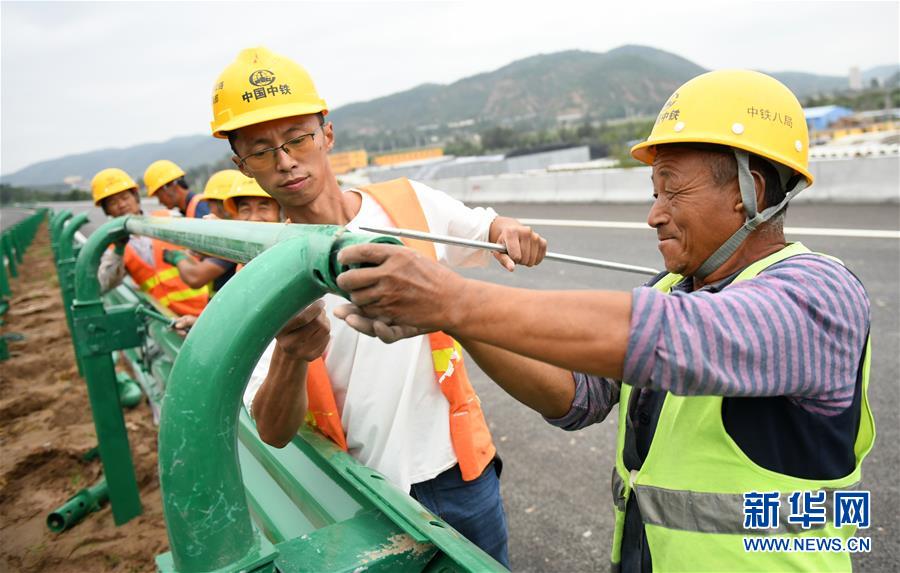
point(220, 184)
point(244, 187)
point(260, 86)
point(741, 109)
point(110, 181)
point(159, 173)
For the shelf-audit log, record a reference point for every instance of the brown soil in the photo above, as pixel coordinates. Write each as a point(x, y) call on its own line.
point(46, 428)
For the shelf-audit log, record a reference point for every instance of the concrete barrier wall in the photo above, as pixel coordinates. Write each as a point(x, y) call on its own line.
point(868, 180)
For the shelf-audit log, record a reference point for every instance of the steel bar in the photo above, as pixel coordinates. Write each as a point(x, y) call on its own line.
point(496, 247)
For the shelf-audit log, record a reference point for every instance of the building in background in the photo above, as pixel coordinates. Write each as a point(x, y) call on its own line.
point(855, 77)
point(407, 156)
point(346, 161)
point(822, 117)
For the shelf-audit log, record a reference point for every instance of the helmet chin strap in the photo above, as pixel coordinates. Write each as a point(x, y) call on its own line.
point(754, 218)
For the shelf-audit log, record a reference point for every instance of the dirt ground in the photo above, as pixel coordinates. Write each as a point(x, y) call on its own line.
point(45, 428)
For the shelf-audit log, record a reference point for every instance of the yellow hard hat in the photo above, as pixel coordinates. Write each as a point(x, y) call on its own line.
point(109, 182)
point(220, 183)
point(243, 187)
point(159, 173)
point(260, 86)
point(739, 108)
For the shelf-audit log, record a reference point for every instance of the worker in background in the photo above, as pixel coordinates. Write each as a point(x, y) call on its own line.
point(217, 189)
point(198, 270)
point(741, 373)
point(408, 409)
point(245, 200)
point(141, 257)
point(166, 179)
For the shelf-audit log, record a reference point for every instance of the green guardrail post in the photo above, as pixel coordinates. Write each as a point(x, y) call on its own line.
point(65, 269)
point(97, 333)
point(87, 500)
point(204, 502)
point(56, 225)
point(9, 252)
point(4, 279)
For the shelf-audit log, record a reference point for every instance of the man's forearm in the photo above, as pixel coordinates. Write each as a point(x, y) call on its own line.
point(198, 273)
point(547, 389)
point(280, 405)
point(577, 331)
point(111, 271)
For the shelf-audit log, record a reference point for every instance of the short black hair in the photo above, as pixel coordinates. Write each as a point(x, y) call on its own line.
point(233, 134)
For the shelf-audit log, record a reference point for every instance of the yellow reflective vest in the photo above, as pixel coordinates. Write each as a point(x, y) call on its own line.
point(690, 488)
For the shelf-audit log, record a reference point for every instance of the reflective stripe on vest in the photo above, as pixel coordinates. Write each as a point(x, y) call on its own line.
point(690, 487)
point(469, 431)
point(163, 281)
point(159, 277)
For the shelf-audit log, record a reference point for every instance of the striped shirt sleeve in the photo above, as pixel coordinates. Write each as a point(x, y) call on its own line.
point(798, 329)
point(594, 399)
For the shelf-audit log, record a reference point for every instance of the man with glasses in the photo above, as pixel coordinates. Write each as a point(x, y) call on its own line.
point(406, 409)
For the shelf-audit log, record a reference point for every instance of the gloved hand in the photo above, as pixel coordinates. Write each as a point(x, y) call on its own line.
point(173, 257)
point(119, 246)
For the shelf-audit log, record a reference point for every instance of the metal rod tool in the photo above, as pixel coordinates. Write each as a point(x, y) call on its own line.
point(502, 249)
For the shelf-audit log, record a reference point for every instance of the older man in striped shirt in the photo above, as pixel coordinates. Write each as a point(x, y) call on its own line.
point(741, 371)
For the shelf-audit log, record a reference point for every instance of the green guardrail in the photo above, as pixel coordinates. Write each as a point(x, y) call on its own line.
point(14, 239)
point(232, 502)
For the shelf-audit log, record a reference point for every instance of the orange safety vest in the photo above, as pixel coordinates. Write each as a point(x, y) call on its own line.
point(469, 431)
point(191, 208)
point(163, 281)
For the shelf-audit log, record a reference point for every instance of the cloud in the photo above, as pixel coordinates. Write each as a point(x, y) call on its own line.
point(84, 76)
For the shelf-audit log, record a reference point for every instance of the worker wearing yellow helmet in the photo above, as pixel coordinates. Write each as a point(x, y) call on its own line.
point(140, 257)
point(202, 270)
point(217, 188)
point(165, 179)
point(741, 372)
point(246, 201)
point(268, 108)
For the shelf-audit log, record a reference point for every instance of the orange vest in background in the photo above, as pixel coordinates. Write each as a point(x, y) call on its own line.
point(469, 431)
point(163, 282)
point(191, 208)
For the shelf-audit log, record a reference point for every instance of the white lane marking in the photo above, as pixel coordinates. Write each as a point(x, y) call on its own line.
point(809, 231)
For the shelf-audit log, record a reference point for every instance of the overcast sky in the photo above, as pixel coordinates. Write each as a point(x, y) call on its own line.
point(84, 76)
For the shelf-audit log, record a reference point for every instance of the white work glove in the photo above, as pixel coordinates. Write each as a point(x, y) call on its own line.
point(376, 328)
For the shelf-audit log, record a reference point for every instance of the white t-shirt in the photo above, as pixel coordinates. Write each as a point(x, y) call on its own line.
point(395, 418)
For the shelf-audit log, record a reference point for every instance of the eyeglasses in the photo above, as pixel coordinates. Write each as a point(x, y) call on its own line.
point(266, 158)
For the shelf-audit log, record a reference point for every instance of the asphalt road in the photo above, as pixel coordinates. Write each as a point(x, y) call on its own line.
point(556, 484)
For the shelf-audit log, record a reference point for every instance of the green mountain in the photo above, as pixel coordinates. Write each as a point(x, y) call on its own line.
point(537, 92)
point(188, 152)
point(627, 81)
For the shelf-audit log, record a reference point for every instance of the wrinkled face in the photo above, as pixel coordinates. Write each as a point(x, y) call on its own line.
point(168, 195)
point(217, 208)
point(692, 215)
point(122, 203)
point(258, 209)
point(292, 179)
